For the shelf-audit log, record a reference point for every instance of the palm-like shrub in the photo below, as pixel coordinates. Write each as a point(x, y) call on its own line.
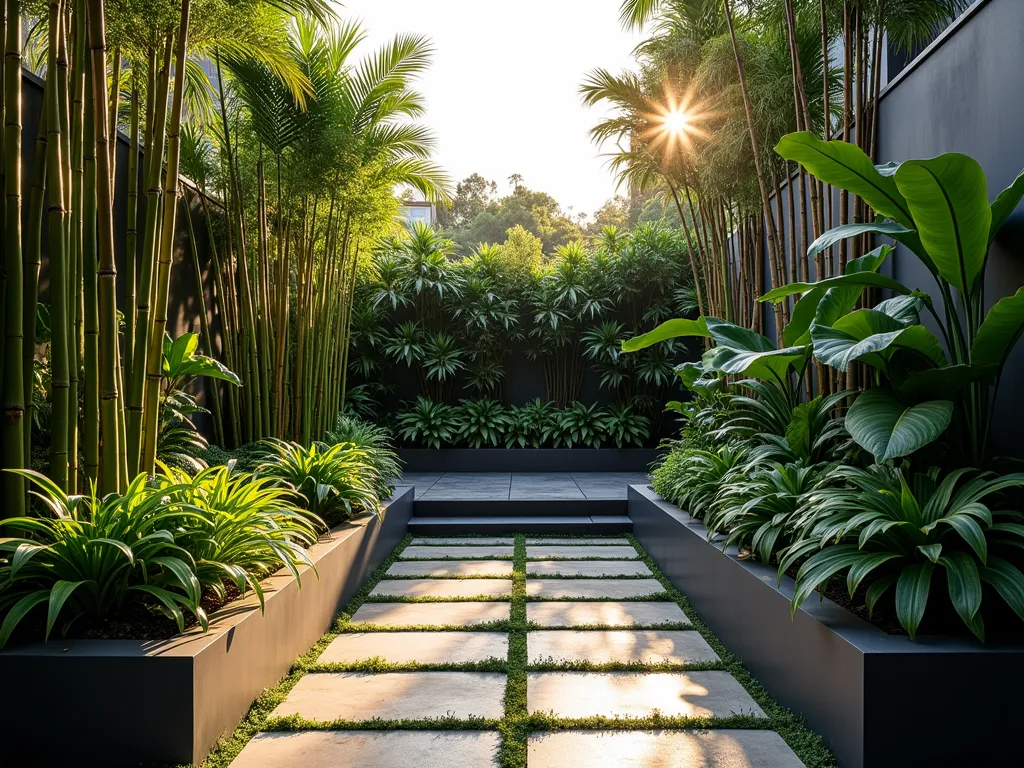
point(427, 422)
point(333, 483)
point(376, 442)
point(580, 424)
point(481, 422)
point(243, 528)
point(90, 557)
point(890, 530)
point(626, 427)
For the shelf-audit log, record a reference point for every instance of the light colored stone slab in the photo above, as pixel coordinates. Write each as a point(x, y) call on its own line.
point(632, 694)
point(371, 749)
point(326, 696)
point(610, 614)
point(430, 614)
point(451, 568)
point(467, 552)
point(468, 541)
point(717, 748)
point(587, 568)
point(423, 647)
point(443, 587)
point(538, 551)
point(609, 588)
point(650, 646)
point(613, 541)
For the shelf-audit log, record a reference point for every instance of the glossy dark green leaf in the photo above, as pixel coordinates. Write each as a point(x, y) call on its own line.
point(1001, 330)
point(948, 197)
point(912, 595)
point(1004, 205)
point(836, 234)
point(670, 329)
point(887, 429)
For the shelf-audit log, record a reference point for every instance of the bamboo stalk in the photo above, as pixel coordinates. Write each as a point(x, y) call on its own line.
point(154, 366)
point(13, 427)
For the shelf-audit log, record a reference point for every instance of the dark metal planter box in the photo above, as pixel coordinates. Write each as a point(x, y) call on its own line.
point(527, 459)
point(127, 703)
point(879, 700)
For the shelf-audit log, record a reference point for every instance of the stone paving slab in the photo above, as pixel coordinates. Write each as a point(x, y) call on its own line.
point(650, 646)
point(371, 749)
point(717, 748)
point(466, 552)
point(451, 568)
point(468, 541)
point(538, 551)
point(631, 694)
point(612, 614)
point(326, 696)
point(422, 647)
point(443, 587)
point(608, 588)
point(532, 541)
point(430, 614)
point(587, 568)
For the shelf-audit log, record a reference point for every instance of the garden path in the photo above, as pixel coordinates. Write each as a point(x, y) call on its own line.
point(518, 650)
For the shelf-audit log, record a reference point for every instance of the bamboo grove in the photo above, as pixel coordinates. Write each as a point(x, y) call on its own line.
point(745, 73)
point(255, 137)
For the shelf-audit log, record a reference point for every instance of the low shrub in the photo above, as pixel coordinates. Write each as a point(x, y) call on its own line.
point(376, 442)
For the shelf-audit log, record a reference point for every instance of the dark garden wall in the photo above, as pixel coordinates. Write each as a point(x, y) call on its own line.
point(961, 94)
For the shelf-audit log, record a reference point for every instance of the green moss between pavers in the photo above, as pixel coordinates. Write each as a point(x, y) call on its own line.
point(433, 599)
point(518, 724)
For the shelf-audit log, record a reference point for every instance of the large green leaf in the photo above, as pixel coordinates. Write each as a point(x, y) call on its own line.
point(841, 300)
point(887, 429)
point(670, 329)
point(836, 234)
point(872, 335)
point(1001, 330)
point(864, 279)
point(912, 595)
point(828, 305)
point(1005, 203)
point(739, 350)
point(846, 166)
point(1008, 581)
point(943, 383)
point(948, 197)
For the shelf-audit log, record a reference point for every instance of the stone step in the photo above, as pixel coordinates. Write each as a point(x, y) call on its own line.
point(556, 524)
point(484, 505)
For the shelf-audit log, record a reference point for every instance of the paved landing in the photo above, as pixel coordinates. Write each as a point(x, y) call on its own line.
point(505, 486)
point(596, 628)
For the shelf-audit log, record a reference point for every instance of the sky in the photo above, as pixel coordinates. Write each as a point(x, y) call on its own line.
point(502, 94)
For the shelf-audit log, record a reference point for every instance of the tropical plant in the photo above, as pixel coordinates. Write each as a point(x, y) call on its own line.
point(759, 508)
point(481, 422)
point(580, 424)
point(939, 210)
point(889, 528)
point(90, 557)
point(430, 423)
point(243, 528)
point(529, 424)
point(331, 483)
point(625, 427)
point(376, 442)
point(692, 478)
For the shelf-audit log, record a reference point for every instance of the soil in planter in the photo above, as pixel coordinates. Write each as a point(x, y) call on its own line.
point(137, 621)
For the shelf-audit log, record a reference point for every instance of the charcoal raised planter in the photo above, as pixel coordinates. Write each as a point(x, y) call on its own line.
point(527, 459)
point(879, 700)
point(125, 702)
